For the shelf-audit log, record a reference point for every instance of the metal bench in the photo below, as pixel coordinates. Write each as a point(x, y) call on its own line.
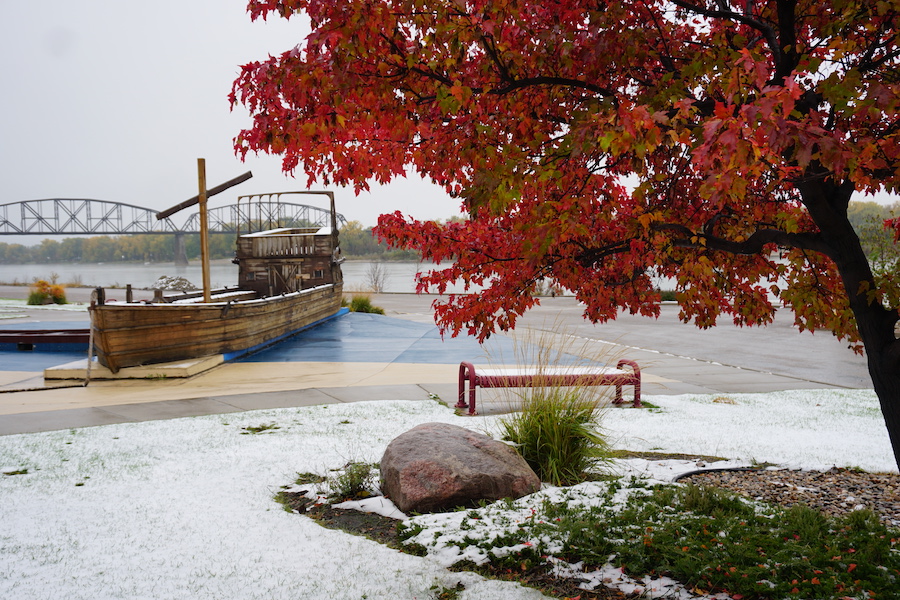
point(558, 376)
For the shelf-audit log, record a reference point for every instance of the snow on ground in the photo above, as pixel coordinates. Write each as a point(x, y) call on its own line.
point(812, 429)
point(183, 508)
point(7, 304)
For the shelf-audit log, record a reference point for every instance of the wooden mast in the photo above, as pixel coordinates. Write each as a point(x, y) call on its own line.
point(204, 228)
point(204, 220)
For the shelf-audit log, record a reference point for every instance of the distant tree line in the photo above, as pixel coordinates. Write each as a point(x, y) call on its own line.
point(126, 248)
point(868, 219)
point(356, 242)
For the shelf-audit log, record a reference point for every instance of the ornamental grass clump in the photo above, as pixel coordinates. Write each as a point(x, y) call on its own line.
point(557, 434)
point(43, 292)
point(557, 431)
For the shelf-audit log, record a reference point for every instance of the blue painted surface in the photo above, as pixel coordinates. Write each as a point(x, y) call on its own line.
point(37, 360)
point(43, 355)
point(229, 356)
point(54, 348)
point(353, 337)
point(363, 337)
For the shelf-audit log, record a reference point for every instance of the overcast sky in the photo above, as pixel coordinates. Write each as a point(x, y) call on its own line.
point(116, 100)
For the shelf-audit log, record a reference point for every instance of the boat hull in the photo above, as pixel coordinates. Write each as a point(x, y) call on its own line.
point(127, 335)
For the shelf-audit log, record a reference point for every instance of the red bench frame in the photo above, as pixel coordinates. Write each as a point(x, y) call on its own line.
point(467, 373)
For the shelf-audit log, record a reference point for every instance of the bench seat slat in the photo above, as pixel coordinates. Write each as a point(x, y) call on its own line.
point(549, 372)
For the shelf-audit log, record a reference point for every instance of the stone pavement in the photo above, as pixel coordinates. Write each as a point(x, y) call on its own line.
point(401, 356)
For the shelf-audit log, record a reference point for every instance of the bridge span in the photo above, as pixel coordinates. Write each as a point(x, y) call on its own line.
point(85, 216)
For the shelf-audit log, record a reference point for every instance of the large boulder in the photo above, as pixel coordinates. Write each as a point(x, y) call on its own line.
point(436, 466)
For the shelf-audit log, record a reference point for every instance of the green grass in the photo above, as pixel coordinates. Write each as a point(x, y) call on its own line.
point(307, 478)
point(711, 539)
point(708, 539)
point(353, 481)
point(557, 431)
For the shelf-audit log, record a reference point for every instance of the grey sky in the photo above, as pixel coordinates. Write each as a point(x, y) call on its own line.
point(116, 100)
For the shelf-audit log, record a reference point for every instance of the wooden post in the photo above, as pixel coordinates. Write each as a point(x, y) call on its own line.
point(204, 227)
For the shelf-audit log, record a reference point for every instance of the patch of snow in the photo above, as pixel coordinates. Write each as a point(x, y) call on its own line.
point(23, 304)
point(378, 505)
point(173, 282)
point(184, 509)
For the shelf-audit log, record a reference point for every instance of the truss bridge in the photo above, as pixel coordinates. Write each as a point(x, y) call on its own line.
point(83, 216)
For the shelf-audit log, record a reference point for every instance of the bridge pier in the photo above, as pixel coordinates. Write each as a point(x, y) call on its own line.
point(180, 253)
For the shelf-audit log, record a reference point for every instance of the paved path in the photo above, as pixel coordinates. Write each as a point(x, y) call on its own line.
point(401, 356)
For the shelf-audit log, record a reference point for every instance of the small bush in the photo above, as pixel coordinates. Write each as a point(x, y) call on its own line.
point(556, 433)
point(363, 304)
point(355, 480)
point(46, 293)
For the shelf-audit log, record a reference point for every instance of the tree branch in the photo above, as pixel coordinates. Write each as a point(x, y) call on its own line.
point(724, 13)
point(515, 84)
point(685, 238)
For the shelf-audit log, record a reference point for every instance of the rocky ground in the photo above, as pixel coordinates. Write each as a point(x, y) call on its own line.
point(834, 492)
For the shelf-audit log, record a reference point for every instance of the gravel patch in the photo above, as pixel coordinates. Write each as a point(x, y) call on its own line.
point(834, 492)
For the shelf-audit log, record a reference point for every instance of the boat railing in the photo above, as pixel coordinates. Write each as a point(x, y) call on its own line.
point(284, 246)
point(231, 296)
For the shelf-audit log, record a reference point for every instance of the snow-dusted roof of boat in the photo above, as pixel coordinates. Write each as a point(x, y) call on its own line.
point(289, 231)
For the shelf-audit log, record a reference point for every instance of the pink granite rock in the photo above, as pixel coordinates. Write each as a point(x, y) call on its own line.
point(436, 466)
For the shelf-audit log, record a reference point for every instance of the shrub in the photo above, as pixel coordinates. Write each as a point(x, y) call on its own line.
point(363, 304)
point(46, 293)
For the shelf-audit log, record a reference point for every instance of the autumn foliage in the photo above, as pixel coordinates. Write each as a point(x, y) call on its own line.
point(602, 144)
point(42, 292)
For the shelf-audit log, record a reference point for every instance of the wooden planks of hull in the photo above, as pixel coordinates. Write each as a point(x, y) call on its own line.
point(128, 335)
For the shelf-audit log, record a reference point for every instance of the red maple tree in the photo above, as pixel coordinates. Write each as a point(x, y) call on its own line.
point(597, 144)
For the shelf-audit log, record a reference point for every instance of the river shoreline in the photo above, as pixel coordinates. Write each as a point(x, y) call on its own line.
point(394, 277)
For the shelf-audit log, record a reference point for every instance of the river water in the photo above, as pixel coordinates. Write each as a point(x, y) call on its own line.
point(399, 277)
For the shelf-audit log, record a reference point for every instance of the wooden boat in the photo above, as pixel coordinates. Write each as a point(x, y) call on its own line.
point(288, 279)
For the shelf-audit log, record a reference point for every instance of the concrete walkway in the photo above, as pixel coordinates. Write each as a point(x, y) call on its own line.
point(402, 356)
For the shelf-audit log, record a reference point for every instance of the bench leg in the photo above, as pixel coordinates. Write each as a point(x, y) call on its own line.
point(466, 373)
point(461, 401)
point(618, 398)
point(636, 378)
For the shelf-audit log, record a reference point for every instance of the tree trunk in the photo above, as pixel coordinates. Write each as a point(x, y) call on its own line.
point(827, 204)
point(887, 386)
